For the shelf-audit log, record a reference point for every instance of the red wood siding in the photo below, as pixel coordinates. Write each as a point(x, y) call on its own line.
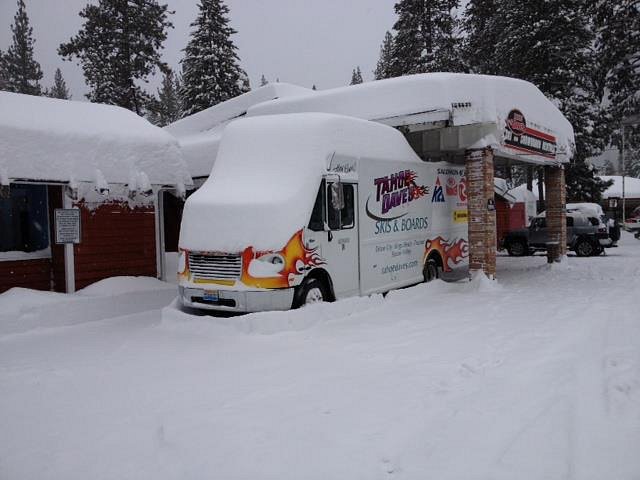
point(34, 274)
point(116, 240)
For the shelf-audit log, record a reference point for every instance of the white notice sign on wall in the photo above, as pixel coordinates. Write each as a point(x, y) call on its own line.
point(67, 223)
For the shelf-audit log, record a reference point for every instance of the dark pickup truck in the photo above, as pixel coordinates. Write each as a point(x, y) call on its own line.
point(582, 237)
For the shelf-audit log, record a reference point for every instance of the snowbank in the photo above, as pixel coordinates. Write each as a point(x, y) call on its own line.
point(61, 140)
point(535, 377)
point(22, 309)
point(199, 134)
point(461, 99)
point(250, 198)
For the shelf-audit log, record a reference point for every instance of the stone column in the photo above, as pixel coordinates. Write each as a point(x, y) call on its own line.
point(556, 200)
point(481, 212)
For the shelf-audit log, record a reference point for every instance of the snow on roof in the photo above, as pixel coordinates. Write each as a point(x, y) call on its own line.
point(462, 99)
point(199, 134)
point(631, 186)
point(251, 200)
point(60, 140)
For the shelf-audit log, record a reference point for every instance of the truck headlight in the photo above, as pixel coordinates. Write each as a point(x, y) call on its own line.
point(182, 261)
point(269, 265)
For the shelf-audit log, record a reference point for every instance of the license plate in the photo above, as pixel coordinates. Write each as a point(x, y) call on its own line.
point(211, 295)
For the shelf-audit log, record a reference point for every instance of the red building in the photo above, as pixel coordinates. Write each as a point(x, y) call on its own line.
point(92, 175)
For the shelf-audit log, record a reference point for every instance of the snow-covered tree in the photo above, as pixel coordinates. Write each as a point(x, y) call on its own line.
point(21, 71)
point(483, 27)
point(118, 48)
point(385, 60)
point(426, 37)
point(263, 80)
point(59, 88)
point(356, 76)
point(211, 70)
point(617, 26)
point(165, 108)
point(583, 185)
point(3, 75)
point(550, 45)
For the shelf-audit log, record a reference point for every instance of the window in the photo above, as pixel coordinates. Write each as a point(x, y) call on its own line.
point(24, 225)
point(341, 218)
point(539, 222)
point(316, 223)
point(569, 221)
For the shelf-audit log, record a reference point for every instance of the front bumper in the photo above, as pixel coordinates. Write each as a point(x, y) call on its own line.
point(238, 301)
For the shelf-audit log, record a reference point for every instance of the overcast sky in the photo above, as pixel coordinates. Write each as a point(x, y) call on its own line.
point(298, 41)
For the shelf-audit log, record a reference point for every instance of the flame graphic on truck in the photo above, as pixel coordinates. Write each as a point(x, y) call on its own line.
point(455, 251)
point(298, 260)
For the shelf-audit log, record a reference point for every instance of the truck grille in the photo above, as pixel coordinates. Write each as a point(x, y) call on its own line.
point(215, 266)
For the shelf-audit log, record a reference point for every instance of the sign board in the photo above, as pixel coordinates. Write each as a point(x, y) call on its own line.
point(520, 137)
point(67, 225)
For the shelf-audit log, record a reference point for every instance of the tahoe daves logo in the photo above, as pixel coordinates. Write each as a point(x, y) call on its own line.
point(392, 191)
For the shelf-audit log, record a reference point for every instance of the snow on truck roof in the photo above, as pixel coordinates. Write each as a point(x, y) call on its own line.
point(199, 134)
point(67, 141)
point(462, 99)
point(255, 199)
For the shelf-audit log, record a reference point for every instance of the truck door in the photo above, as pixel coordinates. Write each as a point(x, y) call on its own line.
point(538, 234)
point(341, 241)
point(336, 235)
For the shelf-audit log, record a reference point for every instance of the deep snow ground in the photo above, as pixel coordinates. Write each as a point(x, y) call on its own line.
point(537, 376)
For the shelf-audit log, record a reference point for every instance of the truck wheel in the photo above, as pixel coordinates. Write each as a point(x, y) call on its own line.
point(584, 248)
point(311, 291)
point(430, 270)
point(517, 248)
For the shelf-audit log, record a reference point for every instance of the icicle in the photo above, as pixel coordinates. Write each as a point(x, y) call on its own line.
point(102, 187)
point(144, 185)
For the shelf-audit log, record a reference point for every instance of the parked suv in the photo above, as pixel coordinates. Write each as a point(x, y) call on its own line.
point(582, 236)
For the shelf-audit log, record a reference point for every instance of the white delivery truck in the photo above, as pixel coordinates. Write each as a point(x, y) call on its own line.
point(310, 207)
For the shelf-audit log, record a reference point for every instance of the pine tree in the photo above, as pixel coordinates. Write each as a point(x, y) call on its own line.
point(356, 76)
point(165, 108)
point(483, 27)
point(22, 73)
point(263, 81)
point(583, 185)
point(3, 75)
point(617, 26)
point(426, 38)
point(59, 88)
point(211, 70)
point(118, 47)
point(385, 61)
point(548, 44)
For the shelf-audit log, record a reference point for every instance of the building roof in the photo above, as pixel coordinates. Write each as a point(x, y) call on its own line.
point(45, 139)
point(199, 134)
point(458, 99)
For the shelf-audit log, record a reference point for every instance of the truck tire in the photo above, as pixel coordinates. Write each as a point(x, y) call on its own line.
point(311, 291)
point(584, 248)
point(517, 248)
point(430, 270)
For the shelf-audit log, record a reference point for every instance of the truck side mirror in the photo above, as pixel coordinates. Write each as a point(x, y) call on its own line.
point(337, 196)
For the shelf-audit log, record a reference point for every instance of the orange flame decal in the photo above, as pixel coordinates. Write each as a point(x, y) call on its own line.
point(298, 259)
point(454, 251)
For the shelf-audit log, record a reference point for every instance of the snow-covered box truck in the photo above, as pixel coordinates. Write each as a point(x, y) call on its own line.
point(310, 207)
